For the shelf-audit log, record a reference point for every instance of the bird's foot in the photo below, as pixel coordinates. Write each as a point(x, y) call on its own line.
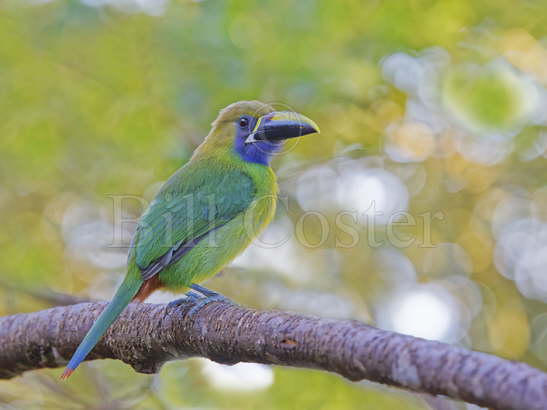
point(200, 297)
point(189, 297)
point(204, 296)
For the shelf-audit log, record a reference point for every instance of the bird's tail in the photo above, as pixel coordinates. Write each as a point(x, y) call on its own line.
point(127, 290)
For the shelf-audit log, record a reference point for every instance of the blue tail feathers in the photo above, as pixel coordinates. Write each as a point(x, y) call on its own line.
point(127, 291)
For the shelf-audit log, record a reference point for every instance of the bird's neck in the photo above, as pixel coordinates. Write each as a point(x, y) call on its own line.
point(260, 152)
point(263, 176)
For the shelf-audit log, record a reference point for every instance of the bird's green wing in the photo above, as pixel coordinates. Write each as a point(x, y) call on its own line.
point(194, 202)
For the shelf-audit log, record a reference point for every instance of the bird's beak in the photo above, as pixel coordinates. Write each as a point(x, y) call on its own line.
point(281, 125)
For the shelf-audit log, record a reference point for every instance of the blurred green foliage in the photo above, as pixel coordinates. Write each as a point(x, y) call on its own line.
point(444, 98)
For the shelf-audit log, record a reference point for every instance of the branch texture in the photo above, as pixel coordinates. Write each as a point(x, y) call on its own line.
point(147, 335)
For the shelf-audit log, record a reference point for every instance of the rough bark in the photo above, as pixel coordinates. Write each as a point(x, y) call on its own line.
point(147, 335)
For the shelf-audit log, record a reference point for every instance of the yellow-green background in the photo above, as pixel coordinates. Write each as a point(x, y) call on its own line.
point(103, 100)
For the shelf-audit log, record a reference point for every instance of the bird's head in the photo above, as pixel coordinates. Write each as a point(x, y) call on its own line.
point(255, 131)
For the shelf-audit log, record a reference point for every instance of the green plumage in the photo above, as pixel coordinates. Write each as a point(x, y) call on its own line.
point(195, 201)
point(206, 197)
point(207, 212)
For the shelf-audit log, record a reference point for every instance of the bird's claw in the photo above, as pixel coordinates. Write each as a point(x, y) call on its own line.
point(200, 297)
point(188, 297)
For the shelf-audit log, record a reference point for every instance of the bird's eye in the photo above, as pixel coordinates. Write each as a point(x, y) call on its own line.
point(243, 122)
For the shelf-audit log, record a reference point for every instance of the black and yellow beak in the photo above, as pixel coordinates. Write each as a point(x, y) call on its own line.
point(281, 125)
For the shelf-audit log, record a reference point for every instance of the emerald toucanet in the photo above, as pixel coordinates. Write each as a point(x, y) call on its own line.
point(207, 212)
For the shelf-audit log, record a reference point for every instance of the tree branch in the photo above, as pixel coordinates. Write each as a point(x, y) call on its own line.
point(146, 336)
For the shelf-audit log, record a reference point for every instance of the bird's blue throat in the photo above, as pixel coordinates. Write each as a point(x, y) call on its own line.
point(259, 152)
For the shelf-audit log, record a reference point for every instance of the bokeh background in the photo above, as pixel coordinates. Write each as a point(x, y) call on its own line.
point(421, 207)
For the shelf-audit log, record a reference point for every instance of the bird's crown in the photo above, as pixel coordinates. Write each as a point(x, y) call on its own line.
point(234, 111)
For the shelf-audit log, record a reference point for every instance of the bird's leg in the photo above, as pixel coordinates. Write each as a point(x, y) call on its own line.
point(208, 293)
point(201, 297)
point(188, 298)
point(209, 296)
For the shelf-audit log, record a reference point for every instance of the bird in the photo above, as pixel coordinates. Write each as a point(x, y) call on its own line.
point(206, 213)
